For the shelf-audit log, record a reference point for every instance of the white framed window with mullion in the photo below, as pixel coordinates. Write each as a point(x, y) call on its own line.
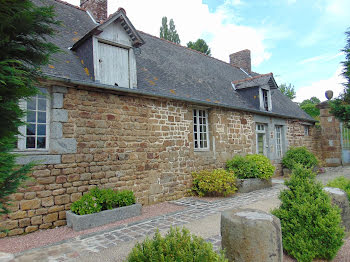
point(35, 134)
point(278, 134)
point(200, 129)
point(260, 138)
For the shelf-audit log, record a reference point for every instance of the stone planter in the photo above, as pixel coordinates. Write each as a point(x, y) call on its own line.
point(82, 222)
point(252, 184)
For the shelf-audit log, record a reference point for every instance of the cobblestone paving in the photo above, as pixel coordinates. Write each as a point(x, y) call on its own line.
point(97, 242)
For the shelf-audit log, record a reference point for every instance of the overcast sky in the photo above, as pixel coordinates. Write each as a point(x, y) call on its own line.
point(300, 41)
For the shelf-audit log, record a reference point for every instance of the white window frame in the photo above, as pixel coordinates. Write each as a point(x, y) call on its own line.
point(279, 140)
point(306, 130)
point(198, 132)
point(265, 99)
point(23, 129)
point(261, 129)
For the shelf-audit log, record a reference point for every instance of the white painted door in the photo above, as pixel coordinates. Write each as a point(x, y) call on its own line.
point(113, 65)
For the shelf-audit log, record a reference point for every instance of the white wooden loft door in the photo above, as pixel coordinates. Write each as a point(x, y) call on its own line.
point(113, 65)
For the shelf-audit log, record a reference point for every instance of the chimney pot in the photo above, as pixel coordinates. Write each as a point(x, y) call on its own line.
point(98, 8)
point(242, 59)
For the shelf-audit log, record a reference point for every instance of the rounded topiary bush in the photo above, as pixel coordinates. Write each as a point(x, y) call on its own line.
point(311, 226)
point(299, 155)
point(213, 182)
point(175, 246)
point(251, 166)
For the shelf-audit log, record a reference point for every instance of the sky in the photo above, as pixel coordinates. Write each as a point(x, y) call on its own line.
point(300, 41)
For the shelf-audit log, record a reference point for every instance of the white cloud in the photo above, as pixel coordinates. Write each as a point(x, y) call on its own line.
point(193, 20)
point(320, 58)
point(319, 88)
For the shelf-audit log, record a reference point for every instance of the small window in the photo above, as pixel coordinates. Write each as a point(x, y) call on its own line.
point(278, 133)
point(306, 130)
point(200, 129)
point(260, 139)
point(265, 99)
point(34, 135)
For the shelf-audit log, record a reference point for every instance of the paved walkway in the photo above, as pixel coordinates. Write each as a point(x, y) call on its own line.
point(200, 217)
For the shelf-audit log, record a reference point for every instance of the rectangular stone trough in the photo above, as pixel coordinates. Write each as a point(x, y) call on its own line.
point(252, 184)
point(82, 222)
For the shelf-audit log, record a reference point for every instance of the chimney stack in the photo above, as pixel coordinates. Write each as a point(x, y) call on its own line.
point(242, 59)
point(98, 8)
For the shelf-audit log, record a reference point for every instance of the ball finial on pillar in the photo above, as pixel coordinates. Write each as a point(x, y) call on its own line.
point(329, 94)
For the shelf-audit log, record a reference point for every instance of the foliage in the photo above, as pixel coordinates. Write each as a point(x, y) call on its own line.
point(251, 166)
point(299, 155)
point(218, 181)
point(200, 45)
point(342, 183)
point(311, 225)
point(169, 32)
point(309, 106)
point(341, 106)
point(102, 199)
point(176, 245)
point(288, 90)
point(11, 175)
point(23, 49)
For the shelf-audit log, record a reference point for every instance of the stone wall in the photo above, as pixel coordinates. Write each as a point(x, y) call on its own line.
point(125, 142)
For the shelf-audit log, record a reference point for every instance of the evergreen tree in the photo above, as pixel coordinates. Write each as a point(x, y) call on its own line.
point(169, 32)
point(288, 90)
point(200, 45)
point(341, 106)
point(309, 106)
point(24, 28)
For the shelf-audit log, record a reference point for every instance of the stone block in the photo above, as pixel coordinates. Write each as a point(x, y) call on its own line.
point(31, 229)
point(46, 180)
point(62, 199)
point(59, 89)
point(56, 209)
point(75, 196)
point(30, 204)
point(57, 100)
point(50, 218)
point(252, 184)
point(47, 201)
point(15, 232)
point(56, 130)
point(340, 198)
point(45, 226)
point(64, 145)
point(18, 215)
point(81, 222)
point(59, 115)
point(40, 159)
point(250, 235)
point(24, 222)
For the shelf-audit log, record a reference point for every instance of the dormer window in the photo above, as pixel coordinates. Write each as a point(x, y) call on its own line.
point(265, 99)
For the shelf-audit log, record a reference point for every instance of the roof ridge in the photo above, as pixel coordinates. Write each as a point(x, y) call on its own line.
point(188, 49)
point(71, 5)
point(252, 78)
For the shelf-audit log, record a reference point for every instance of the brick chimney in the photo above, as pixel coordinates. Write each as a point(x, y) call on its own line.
point(98, 8)
point(242, 59)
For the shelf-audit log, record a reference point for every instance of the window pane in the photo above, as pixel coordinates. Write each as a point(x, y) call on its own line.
point(260, 143)
point(41, 141)
point(41, 117)
point(42, 104)
point(31, 130)
point(30, 142)
point(31, 104)
point(41, 130)
point(31, 116)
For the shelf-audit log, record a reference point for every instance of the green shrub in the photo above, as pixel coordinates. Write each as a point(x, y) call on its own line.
point(251, 166)
point(299, 155)
point(102, 199)
point(175, 246)
point(311, 226)
point(342, 183)
point(215, 182)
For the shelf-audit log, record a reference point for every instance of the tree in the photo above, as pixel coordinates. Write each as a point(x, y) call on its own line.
point(169, 32)
point(341, 106)
point(288, 90)
point(23, 50)
point(309, 106)
point(201, 46)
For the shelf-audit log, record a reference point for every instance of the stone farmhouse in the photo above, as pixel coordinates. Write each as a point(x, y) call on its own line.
point(127, 110)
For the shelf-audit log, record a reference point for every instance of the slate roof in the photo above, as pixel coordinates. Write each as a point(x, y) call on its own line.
point(163, 68)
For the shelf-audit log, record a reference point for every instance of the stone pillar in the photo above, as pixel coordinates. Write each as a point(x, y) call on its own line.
point(330, 136)
point(251, 235)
